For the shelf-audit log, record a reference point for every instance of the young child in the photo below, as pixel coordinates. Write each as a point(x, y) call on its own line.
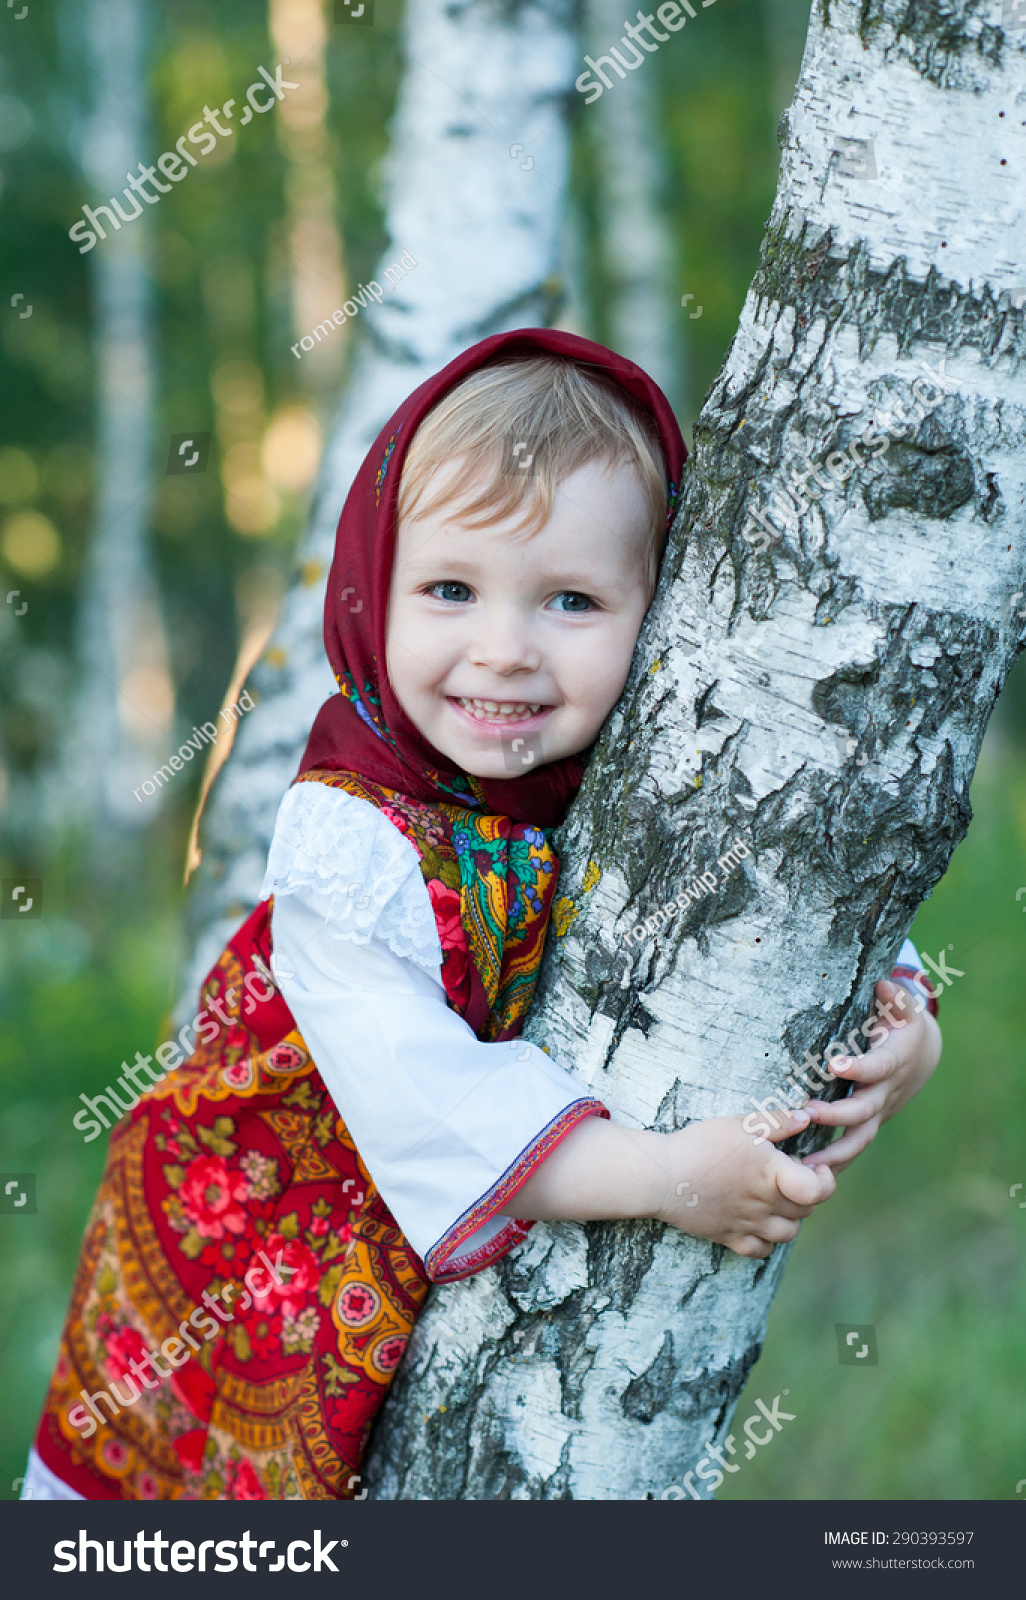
point(370, 1122)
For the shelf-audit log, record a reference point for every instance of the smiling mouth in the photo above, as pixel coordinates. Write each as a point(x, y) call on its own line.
point(502, 711)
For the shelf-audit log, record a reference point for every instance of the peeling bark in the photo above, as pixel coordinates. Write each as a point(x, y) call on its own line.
point(822, 699)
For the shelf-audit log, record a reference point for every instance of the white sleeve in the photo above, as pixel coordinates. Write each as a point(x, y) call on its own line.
point(909, 971)
point(449, 1128)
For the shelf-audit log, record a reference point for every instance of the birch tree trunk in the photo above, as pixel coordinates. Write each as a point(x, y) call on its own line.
point(125, 699)
point(823, 699)
point(477, 170)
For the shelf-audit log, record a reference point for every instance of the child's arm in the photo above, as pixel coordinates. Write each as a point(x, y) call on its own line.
point(711, 1179)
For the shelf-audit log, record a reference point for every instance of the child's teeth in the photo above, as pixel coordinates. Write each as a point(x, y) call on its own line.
point(482, 709)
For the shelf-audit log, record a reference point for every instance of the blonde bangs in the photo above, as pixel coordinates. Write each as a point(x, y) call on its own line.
point(513, 432)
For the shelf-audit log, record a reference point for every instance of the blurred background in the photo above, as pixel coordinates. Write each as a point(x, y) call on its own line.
point(134, 601)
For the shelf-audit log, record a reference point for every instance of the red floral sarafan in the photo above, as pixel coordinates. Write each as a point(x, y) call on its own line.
point(238, 1243)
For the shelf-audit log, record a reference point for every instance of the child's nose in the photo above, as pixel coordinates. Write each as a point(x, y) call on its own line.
point(504, 644)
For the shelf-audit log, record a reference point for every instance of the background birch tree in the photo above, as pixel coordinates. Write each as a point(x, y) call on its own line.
point(476, 178)
point(643, 313)
point(124, 699)
point(822, 698)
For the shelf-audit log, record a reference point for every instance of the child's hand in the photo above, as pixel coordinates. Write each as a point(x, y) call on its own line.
point(736, 1192)
point(895, 1069)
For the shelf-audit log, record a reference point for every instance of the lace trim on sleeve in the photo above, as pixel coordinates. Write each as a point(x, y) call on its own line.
point(340, 848)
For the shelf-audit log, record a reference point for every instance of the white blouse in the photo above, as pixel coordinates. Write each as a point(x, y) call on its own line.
point(449, 1128)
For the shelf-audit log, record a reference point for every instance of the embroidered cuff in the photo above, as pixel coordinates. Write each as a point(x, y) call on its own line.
point(445, 1262)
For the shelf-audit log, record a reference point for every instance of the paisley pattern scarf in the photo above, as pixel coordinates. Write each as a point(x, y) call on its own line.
point(243, 1295)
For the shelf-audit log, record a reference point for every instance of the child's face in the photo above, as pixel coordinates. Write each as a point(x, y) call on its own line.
point(493, 635)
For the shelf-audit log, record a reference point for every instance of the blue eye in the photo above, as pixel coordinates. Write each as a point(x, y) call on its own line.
point(575, 603)
point(457, 593)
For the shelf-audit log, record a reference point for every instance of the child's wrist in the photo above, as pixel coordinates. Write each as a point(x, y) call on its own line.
point(649, 1171)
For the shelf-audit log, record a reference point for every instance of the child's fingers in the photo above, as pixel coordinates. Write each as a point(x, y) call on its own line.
point(902, 1000)
point(774, 1231)
point(779, 1207)
point(802, 1184)
point(779, 1230)
point(843, 1151)
point(880, 1062)
point(749, 1246)
point(787, 1124)
point(850, 1113)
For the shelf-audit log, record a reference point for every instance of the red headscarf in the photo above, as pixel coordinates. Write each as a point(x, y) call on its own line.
point(364, 729)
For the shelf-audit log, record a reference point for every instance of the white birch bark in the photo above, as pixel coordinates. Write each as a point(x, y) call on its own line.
point(597, 1362)
point(483, 226)
point(124, 701)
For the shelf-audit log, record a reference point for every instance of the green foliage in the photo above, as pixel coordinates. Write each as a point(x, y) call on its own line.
point(220, 267)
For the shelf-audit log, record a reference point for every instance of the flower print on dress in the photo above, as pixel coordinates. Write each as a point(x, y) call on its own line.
point(229, 1255)
point(261, 1330)
point(189, 1448)
point(298, 1333)
point(120, 1347)
point(262, 1172)
point(196, 1389)
point(358, 1304)
point(386, 1355)
point(242, 1481)
point(211, 1197)
point(115, 1455)
point(445, 903)
point(295, 1276)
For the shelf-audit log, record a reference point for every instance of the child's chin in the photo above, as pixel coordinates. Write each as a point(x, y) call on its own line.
point(493, 768)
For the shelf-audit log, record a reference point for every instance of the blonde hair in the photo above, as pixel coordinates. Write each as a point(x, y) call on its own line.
point(518, 429)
